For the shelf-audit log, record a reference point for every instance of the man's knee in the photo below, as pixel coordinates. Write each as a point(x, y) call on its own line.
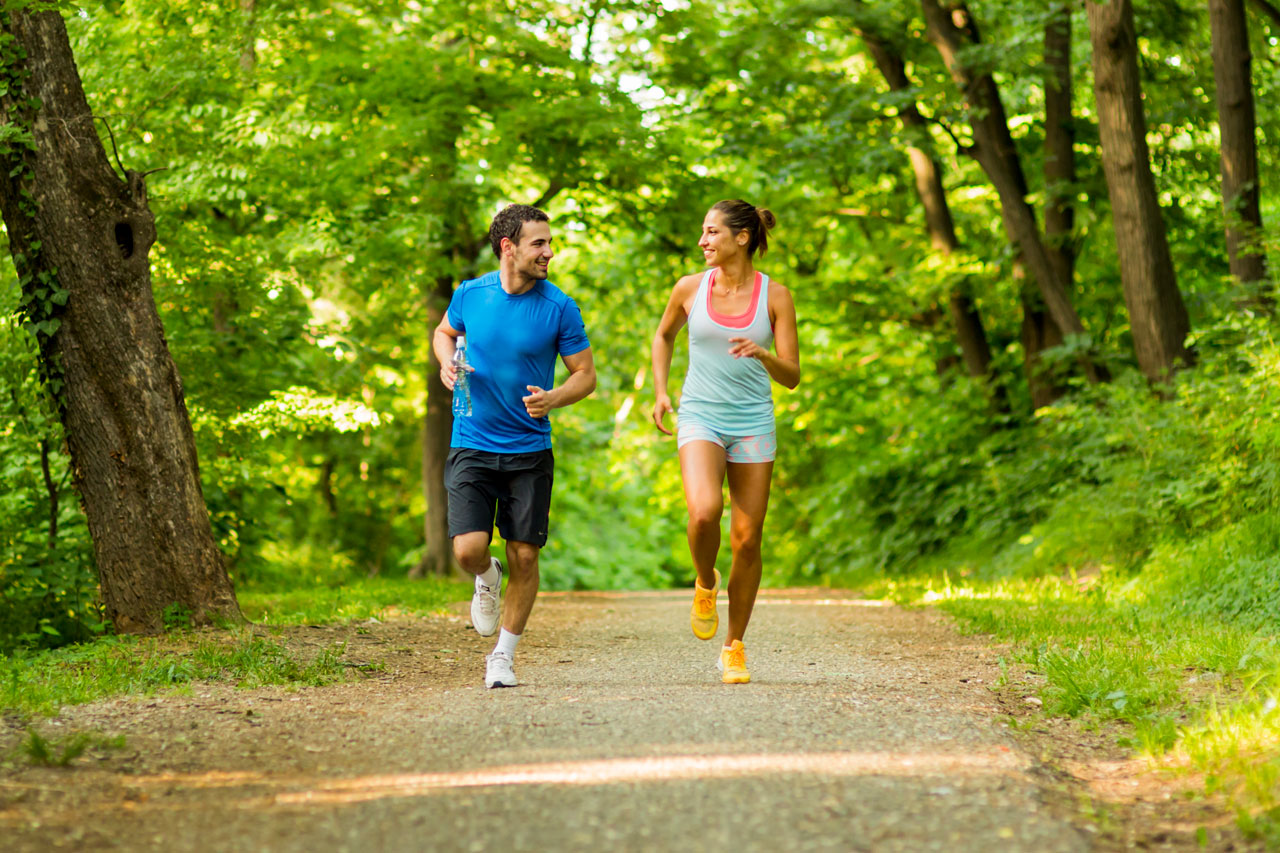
point(471, 548)
point(523, 556)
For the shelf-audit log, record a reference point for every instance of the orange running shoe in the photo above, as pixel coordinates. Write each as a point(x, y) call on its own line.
point(703, 617)
point(733, 664)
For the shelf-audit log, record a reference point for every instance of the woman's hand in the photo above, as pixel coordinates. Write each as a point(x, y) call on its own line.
point(746, 348)
point(661, 406)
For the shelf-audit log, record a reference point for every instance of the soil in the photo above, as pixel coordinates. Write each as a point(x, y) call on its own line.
point(866, 727)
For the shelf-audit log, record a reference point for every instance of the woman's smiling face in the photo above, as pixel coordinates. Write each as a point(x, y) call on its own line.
point(718, 243)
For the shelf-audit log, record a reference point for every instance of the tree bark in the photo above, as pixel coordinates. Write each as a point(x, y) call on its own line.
point(951, 30)
point(51, 488)
point(965, 319)
point(248, 47)
point(1039, 331)
point(1238, 127)
point(1059, 145)
point(437, 429)
point(1157, 315)
point(79, 233)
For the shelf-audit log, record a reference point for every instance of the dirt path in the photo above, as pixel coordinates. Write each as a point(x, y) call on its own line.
point(866, 727)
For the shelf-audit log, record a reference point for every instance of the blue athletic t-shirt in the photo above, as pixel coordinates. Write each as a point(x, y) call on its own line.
point(512, 342)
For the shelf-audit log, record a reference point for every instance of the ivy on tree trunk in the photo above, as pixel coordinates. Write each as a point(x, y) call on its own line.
point(80, 235)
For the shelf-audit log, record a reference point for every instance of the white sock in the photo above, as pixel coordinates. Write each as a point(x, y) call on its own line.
point(507, 643)
point(491, 576)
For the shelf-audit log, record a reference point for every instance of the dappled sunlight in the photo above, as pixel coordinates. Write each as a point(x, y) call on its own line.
point(660, 769)
point(825, 602)
point(766, 597)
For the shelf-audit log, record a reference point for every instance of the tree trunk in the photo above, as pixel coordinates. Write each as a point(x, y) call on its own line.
point(80, 237)
point(1039, 333)
point(51, 488)
point(248, 46)
point(1059, 145)
point(1157, 315)
point(951, 30)
point(1240, 191)
point(437, 429)
point(965, 319)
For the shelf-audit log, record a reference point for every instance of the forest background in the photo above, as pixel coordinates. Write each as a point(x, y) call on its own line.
point(327, 174)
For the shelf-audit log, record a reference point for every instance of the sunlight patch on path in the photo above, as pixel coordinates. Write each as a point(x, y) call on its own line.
point(659, 769)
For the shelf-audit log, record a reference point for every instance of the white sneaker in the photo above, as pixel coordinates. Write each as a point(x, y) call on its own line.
point(498, 671)
point(486, 604)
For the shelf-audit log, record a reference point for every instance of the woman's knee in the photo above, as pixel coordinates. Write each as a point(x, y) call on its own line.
point(745, 538)
point(702, 515)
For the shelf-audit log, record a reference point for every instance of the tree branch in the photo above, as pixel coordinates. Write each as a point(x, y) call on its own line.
point(553, 189)
point(124, 173)
point(1267, 9)
point(960, 146)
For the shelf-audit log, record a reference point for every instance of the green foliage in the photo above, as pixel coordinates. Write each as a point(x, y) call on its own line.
point(48, 590)
point(1192, 690)
point(349, 600)
point(41, 682)
point(1144, 586)
point(329, 172)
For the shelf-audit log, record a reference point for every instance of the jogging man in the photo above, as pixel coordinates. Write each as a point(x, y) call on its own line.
point(516, 323)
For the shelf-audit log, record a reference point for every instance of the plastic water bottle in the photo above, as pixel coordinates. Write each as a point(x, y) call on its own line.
point(461, 382)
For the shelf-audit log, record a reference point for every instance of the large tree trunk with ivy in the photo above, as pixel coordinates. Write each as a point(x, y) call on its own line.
point(1240, 192)
point(1157, 315)
point(80, 236)
point(952, 29)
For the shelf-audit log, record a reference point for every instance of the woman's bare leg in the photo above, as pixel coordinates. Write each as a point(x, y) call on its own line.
point(702, 468)
point(748, 501)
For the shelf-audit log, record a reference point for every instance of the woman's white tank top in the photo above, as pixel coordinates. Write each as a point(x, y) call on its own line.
point(733, 396)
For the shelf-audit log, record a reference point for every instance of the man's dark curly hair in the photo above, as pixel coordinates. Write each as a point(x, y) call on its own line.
point(510, 221)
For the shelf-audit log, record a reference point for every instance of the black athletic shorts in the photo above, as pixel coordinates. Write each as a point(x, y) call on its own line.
point(517, 484)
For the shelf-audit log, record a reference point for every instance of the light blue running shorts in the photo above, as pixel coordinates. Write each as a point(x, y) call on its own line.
point(737, 448)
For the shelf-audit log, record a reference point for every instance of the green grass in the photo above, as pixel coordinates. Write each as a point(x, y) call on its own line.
point(354, 600)
point(42, 682)
point(1195, 693)
point(61, 752)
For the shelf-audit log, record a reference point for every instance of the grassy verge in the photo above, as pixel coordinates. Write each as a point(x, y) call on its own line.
point(1196, 694)
point(366, 598)
point(42, 682)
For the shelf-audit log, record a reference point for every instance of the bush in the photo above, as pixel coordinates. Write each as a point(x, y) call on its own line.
point(48, 588)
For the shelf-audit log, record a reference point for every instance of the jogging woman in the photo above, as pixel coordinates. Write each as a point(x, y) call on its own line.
point(725, 422)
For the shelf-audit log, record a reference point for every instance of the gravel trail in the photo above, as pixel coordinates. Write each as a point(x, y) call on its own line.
point(866, 727)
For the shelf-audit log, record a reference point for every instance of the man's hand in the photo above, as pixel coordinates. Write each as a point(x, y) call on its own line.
point(661, 407)
point(538, 403)
point(449, 374)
